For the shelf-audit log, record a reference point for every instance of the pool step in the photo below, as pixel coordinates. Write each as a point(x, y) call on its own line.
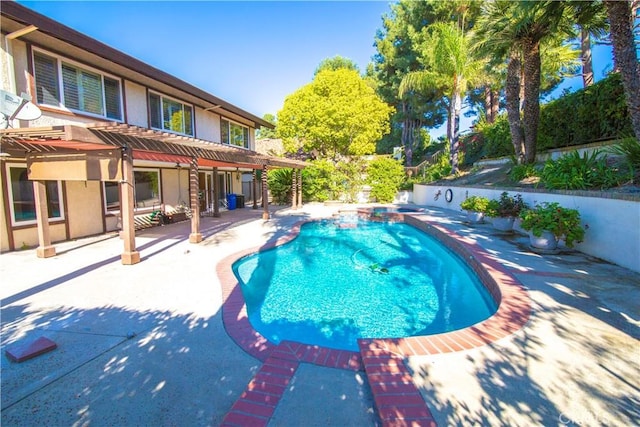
point(397, 398)
point(256, 404)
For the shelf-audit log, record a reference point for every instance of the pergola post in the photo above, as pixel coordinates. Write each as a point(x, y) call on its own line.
point(265, 193)
point(294, 189)
point(299, 188)
point(45, 250)
point(194, 190)
point(216, 193)
point(255, 188)
point(130, 255)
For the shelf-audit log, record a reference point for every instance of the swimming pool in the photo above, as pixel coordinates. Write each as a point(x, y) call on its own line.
point(351, 278)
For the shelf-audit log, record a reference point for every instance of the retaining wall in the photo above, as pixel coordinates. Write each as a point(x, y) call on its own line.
point(613, 220)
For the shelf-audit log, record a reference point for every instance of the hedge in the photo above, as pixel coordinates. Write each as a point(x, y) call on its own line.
point(596, 113)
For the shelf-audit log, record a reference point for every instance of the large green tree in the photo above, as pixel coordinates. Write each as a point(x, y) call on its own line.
point(336, 114)
point(451, 65)
point(396, 56)
point(265, 132)
point(336, 63)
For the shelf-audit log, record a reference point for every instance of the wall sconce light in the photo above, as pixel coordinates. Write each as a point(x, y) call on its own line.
point(237, 174)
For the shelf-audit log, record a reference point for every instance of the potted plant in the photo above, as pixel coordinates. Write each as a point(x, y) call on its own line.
point(475, 206)
point(549, 222)
point(505, 210)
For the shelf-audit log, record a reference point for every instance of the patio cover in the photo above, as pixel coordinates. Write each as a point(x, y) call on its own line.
point(105, 152)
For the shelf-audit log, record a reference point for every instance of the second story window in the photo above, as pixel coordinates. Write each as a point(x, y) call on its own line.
point(169, 114)
point(234, 134)
point(60, 83)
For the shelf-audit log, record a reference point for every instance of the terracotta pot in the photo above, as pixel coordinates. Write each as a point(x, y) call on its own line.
point(546, 241)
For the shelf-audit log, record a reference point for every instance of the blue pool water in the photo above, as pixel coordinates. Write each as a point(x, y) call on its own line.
point(343, 280)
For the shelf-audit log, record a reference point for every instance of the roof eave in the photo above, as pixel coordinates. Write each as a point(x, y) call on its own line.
point(19, 13)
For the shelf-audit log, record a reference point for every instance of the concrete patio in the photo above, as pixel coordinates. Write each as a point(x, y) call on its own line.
point(146, 345)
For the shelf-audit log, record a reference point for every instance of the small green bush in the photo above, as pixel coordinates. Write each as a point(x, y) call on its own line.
point(575, 172)
point(279, 181)
point(520, 172)
point(438, 169)
point(318, 179)
point(562, 222)
point(506, 206)
point(475, 204)
point(629, 147)
point(385, 175)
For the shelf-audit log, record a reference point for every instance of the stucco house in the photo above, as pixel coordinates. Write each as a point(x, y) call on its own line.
point(117, 140)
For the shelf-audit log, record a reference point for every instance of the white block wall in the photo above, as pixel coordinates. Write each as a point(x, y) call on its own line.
point(613, 232)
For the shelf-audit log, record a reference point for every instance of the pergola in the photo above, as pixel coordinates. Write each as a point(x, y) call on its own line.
point(105, 152)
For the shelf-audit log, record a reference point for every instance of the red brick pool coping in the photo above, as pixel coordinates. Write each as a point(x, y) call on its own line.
point(397, 399)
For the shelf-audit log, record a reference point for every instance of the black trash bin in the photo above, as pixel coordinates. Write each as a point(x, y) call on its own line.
point(240, 201)
point(231, 201)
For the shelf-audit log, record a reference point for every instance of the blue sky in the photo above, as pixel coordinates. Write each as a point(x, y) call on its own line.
point(249, 53)
point(252, 54)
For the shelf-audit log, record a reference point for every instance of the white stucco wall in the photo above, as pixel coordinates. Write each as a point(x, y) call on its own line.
point(613, 232)
point(207, 125)
point(136, 104)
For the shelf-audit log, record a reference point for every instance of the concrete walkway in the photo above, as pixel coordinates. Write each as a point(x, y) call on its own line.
point(146, 344)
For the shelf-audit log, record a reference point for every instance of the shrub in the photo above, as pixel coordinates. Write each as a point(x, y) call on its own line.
point(562, 222)
point(506, 206)
point(351, 172)
point(595, 113)
point(438, 170)
point(475, 204)
point(279, 181)
point(385, 175)
point(575, 172)
point(629, 147)
point(520, 172)
point(496, 138)
point(319, 181)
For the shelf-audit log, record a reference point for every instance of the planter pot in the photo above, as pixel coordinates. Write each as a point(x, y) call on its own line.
point(475, 217)
point(546, 241)
point(517, 226)
point(503, 223)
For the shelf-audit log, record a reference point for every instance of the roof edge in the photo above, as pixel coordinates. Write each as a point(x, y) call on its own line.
point(13, 10)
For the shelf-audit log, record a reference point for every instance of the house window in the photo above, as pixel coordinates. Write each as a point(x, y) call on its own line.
point(63, 84)
point(146, 191)
point(112, 196)
point(147, 188)
point(234, 134)
point(23, 204)
point(169, 114)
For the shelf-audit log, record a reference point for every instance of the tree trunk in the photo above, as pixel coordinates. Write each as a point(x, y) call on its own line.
point(453, 125)
point(495, 104)
point(531, 110)
point(408, 148)
point(488, 104)
point(587, 66)
point(625, 57)
point(406, 138)
point(512, 92)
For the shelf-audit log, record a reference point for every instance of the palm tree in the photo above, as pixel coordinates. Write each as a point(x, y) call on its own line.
point(515, 31)
point(591, 20)
point(450, 65)
point(625, 57)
